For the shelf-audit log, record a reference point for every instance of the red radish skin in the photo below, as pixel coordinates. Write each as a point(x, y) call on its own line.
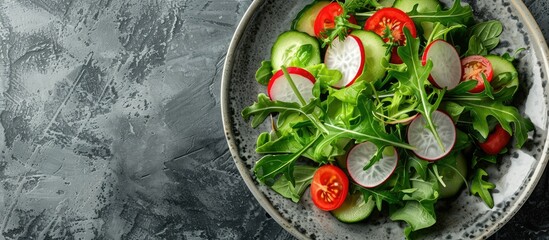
point(280, 90)
point(338, 57)
point(447, 70)
point(418, 132)
point(357, 160)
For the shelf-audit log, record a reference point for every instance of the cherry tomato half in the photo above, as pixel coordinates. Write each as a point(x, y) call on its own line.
point(496, 141)
point(395, 20)
point(326, 18)
point(473, 68)
point(329, 187)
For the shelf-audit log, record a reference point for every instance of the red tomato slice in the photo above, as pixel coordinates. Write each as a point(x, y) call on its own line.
point(326, 18)
point(473, 68)
point(496, 141)
point(329, 187)
point(395, 20)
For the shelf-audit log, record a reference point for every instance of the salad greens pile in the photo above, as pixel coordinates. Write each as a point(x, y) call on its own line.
point(307, 134)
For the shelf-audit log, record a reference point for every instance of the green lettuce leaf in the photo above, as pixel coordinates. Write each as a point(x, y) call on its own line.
point(323, 75)
point(417, 215)
point(303, 176)
point(482, 188)
point(381, 196)
point(484, 37)
point(264, 73)
point(269, 167)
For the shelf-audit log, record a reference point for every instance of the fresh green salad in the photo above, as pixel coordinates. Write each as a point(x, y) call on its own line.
point(380, 105)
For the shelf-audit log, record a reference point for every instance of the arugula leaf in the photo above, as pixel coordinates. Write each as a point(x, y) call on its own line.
point(262, 109)
point(365, 129)
point(400, 179)
point(285, 144)
point(381, 196)
point(488, 90)
point(462, 88)
point(328, 148)
point(264, 73)
point(505, 115)
point(482, 188)
point(351, 94)
point(290, 121)
point(418, 210)
point(508, 57)
point(457, 14)
point(339, 113)
point(505, 85)
point(269, 167)
point(503, 79)
point(416, 76)
point(463, 141)
point(303, 176)
point(426, 188)
point(352, 6)
point(440, 31)
point(417, 215)
point(479, 156)
point(453, 109)
point(420, 166)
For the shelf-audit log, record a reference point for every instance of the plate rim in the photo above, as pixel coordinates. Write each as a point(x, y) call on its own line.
point(227, 124)
point(540, 48)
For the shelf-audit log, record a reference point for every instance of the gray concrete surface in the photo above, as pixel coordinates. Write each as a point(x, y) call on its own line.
point(111, 127)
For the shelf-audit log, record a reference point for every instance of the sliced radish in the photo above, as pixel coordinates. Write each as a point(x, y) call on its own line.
point(446, 72)
point(348, 57)
point(421, 137)
point(361, 154)
point(279, 89)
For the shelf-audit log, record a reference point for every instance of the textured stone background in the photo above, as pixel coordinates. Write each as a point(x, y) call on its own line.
point(111, 125)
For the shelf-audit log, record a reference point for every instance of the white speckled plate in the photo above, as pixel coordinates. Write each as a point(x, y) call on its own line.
point(463, 218)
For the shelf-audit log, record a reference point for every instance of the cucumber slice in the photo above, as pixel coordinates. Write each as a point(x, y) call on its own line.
point(305, 20)
point(423, 5)
point(355, 208)
point(375, 52)
point(386, 3)
point(452, 175)
point(500, 65)
point(287, 45)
